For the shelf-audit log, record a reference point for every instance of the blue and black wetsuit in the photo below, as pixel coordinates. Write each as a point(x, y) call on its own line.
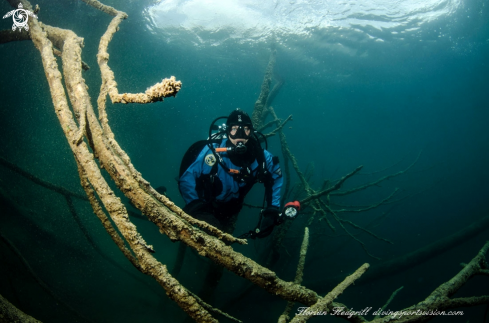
point(215, 196)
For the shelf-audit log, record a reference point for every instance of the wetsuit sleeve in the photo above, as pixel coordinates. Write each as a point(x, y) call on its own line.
point(274, 182)
point(188, 180)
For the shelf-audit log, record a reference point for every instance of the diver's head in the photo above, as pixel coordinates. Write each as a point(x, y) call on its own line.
point(239, 127)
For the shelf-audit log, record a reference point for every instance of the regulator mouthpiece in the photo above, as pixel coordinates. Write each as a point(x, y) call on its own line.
point(240, 148)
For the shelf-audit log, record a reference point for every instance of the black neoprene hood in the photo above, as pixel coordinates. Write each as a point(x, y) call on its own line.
point(239, 117)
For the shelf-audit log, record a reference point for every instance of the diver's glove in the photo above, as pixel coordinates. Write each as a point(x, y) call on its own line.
point(271, 213)
point(194, 206)
point(270, 217)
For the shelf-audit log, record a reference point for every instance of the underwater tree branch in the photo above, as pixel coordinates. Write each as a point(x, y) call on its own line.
point(284, 148)
point(118, 212)
point(136, 189)
point(260, 109)
point(159, 91)
point(335, 187)
point(61, 190)
point(340, 222)
point(102, 7)
point(356, 226)
point(10, 35)
point(323, 304)
point(204, 244)
point(282, 230)
point(10, 313)
point(275, 90)
point(418, 256)
point(370, 207)
point(318, 207)
point(117, 157)
point(99, 212)
point(68, 195)
point(268, 124)
point(39, 281)
point(169, 218)
point(58, 53)
point(439, 299)
point(166, 88)
point(207, 245)
point(213, 309)
point(298, 276)
point(362, 187)
point(279, 128)
point(391, 298)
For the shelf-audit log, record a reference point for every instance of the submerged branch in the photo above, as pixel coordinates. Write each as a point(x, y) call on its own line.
point(299, 273)
point(10, 313)
point(279, 128)
point(39, 281)
point(362, 187)
point(38, 181)
point(335, 187)
point(260, 109)
point(323, 304)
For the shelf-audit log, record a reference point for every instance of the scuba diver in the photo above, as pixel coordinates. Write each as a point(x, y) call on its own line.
point(216, 174)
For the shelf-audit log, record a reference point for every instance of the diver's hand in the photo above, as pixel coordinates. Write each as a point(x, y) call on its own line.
point(194, 206)
point(271, 215)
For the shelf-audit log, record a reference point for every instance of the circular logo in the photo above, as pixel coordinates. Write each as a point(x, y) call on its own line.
point(210, 160)
point(20, 18)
